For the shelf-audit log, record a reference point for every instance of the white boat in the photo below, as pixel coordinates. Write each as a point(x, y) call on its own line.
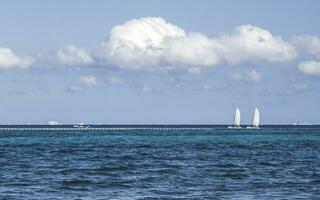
point(54, 123)
point(237, 118)
point(300, 123)
point(81, 125)
point(256, 120)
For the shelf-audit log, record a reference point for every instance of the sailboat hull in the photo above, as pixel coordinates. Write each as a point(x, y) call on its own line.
point(234, 127)
point(253, 127)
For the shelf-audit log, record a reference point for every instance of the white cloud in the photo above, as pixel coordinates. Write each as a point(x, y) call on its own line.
point(72, 55)
point(150, 89)
point(254, 76)
point(308, 44)
point(84, 82)
point(147, 89)
point(153, 44)
point(310, 68)
point(249, 76)
point(74, 88)
point(195, 50)
point(9, 60)
point(138, 43)
point(87, 81)
point(250, 43)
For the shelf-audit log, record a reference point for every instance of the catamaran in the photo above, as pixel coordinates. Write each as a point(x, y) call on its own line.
point(256, 120)
point(236, 119)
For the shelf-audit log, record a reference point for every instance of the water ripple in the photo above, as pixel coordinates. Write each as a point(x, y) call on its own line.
point(161, 165)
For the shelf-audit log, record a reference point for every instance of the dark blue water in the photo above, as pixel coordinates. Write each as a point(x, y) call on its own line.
point(271, 163)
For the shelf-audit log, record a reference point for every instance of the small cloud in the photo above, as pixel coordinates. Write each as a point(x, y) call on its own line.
point(74, 88)
point(9, 60)
point(249, 76)
point(146, 88)
point(253, 76)
point(72, 55)
point(84, 82)
point(307, 44)
point(310, 68)
point(87, 81)
point(208, 87)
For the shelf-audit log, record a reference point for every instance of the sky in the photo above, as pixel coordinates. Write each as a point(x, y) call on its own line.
point(159, 62)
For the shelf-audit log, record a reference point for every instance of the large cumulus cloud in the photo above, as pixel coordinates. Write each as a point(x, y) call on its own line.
point(139, 43)
point(250, 43)
point(150, 43)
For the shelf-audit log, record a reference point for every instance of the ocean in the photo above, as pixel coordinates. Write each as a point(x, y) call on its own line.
point(161, 162)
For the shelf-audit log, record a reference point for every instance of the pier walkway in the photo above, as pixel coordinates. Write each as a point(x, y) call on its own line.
point(100, 128)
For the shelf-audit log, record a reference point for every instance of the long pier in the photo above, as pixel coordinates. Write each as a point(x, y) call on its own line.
point(6, 128)
point(101, 128)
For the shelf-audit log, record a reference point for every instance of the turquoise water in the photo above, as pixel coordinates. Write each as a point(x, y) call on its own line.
point(275, 162)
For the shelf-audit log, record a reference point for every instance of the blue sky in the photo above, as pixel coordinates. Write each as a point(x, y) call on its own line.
point(159, 62)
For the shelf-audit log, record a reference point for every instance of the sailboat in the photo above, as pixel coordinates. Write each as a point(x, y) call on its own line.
point(236, 119)
point(256, 120)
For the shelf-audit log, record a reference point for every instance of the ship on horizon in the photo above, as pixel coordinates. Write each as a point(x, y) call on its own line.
point(81, 125)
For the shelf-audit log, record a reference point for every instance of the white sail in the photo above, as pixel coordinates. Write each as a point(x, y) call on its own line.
point(256, 118)
point(237, 117)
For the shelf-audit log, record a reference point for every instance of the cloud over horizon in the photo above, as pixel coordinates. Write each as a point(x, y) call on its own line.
point(195, 60)
point(310, 68)
point(249, 43)
point(83, 82)
point(307, 44)
point(9, 60)
point(72, 55)
point(151, 43)
point(249, 76)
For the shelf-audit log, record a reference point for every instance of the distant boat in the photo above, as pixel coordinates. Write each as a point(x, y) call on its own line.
point(256, 120)
point(54, 123)
point(237, 118)
point(299, 123)
point(81, 125)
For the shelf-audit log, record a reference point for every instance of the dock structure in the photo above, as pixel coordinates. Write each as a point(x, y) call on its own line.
point(101, 128)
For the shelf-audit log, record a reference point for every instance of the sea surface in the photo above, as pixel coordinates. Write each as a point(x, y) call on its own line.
point(212, 162)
